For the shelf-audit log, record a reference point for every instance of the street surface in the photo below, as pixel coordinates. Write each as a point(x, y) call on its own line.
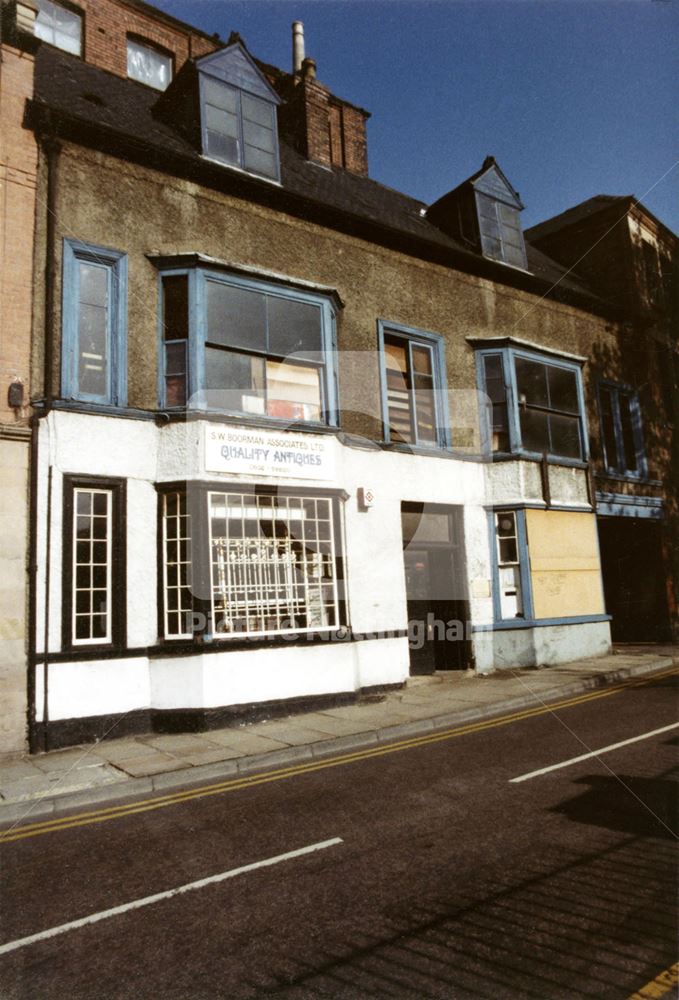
point(425, 872)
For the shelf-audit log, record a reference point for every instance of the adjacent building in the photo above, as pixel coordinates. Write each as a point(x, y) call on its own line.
point(296, 435)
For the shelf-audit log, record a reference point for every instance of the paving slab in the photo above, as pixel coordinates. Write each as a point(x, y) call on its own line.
point(246, 742)
point(179, 744)
point(140, 767)
point(292, 732)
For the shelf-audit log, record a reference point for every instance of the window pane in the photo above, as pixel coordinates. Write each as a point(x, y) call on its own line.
point(176, 307)
point(535, 430)
point(92, 350)
point(257, 111)
point(293, 391)
point(422, 359)
point(236, 316)
point(398, 395)
point(175, 374)
point(630, 452)
point(293, 326)
point(221, 95)
point(563, 390)
point(260, 162)
point(258, 136)
point(531, 382)
point(222, 147)
point(222, 122)
point(148, 65)
point(565, 436)
point(93, 284)
point(234, 381)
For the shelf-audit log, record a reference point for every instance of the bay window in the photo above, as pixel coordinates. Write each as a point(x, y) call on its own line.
point(247, 347)
point(534, 403)
point(269, 563)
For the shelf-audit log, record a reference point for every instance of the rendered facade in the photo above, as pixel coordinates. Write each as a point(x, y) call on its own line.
point(296, 435)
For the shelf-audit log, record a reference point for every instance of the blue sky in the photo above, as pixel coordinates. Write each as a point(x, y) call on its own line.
point(573, 98)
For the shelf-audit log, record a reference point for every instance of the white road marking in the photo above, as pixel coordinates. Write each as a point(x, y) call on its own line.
point(594, 753)
point(136, 904)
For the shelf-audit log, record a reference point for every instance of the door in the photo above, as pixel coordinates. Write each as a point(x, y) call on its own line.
point(438, 611)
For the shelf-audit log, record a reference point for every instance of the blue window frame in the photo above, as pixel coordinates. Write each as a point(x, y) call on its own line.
point(622, 437)
point(414, 397)
point(94, 324)
point(237, 345)
point(534, 404)
point(512, 595)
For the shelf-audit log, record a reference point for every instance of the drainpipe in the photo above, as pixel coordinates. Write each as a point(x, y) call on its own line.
point(37, 731)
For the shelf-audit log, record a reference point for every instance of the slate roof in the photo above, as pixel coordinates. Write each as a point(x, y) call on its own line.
point(579, 213)
point(82, 101)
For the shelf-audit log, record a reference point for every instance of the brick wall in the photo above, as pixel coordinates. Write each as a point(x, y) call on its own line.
point(18, 178)
point(106, 24)
point(326, 129)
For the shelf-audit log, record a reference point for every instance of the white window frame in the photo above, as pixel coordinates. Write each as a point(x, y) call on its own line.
point(181, 515)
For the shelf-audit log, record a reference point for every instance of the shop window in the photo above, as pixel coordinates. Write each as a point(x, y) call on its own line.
point(534, 403)
point(272, 564)
point(148, 65)
point(413, 397)
point(512, 588)
point(252, 348)
point(621, 430)
point(238, 113)
point(94, 306)
point(59, 26)
point(94, 563)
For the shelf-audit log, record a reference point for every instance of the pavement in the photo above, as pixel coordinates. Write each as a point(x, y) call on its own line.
point(114, 769)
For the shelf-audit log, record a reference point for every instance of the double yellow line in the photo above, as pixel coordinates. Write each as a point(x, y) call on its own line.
point(236, 784)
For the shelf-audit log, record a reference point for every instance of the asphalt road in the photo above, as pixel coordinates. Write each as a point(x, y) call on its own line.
point(449, 881)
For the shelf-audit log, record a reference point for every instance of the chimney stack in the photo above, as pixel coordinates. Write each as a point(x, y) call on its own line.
point(297, 47)
point(324, 128)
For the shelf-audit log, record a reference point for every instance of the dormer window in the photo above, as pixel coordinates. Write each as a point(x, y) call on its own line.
point(238, 113)
point(498, 206)
point(483, 212)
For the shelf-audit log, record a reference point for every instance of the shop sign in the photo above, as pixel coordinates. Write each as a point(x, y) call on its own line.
point(269, 453)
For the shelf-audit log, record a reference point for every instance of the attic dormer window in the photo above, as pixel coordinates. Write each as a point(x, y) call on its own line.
point(498, 206)
point(238, 113)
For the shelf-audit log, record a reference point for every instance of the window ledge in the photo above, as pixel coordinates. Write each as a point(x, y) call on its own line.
point(533, 456)
point(620, 477)
point(501, 626)
point(242, 171)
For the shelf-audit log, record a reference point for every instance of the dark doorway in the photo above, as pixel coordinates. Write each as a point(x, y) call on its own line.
point(634, 579)
point(438, 610)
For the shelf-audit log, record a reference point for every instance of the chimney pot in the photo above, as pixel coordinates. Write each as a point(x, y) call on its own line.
point(309, 69)
point(297, 47)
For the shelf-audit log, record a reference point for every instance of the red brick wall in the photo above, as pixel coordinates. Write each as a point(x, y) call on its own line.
point(108, 22)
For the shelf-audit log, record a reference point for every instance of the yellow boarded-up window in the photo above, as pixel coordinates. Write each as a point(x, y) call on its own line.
point(564, 560)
